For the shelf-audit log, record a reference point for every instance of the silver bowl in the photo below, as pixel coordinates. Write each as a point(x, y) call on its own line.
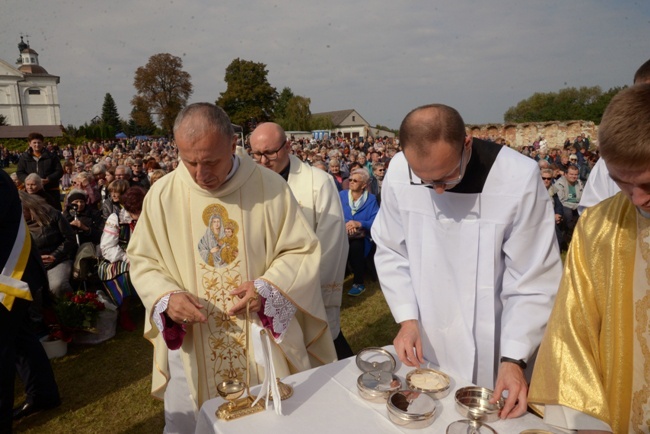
point(473, 403)
point(418, 380)
point(410, 409)
point(377, 386)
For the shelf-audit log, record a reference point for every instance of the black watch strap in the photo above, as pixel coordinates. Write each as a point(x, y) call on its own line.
point(519, 363)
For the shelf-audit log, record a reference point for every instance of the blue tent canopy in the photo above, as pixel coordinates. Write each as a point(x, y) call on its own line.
point(120, 135)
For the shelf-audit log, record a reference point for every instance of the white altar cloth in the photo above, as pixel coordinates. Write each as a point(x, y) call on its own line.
point(325, 400)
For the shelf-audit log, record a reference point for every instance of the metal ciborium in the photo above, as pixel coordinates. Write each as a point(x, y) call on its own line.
point(233, 389)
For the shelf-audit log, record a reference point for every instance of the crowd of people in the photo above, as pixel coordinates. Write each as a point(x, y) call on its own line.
point(463, 234)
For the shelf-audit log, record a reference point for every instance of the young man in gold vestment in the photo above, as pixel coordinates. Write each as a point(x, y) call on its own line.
point(593, 369)
point(219, 232)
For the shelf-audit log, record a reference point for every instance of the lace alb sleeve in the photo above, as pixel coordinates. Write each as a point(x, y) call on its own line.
point(276, 308)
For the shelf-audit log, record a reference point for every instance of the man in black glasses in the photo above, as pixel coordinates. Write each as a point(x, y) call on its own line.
point(319, 200)
point(466, 254)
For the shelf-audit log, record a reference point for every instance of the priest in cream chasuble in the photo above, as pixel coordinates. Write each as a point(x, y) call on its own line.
point(208, 242)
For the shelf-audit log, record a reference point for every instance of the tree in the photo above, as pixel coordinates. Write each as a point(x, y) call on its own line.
point(585, 103)
point(297, 114)
point(109, 112)
point(281, 103)
point(163, 88)
point(321, 123)
point(141, 122)
point(249, 97)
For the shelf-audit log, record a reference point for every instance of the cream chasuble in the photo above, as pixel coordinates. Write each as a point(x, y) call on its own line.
point(319, 201)
point(208, 243)
point(594, 357)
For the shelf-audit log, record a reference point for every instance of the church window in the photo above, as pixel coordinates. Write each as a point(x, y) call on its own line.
point(353, 118)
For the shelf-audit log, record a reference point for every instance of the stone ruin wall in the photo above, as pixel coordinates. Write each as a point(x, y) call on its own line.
point(555, 133)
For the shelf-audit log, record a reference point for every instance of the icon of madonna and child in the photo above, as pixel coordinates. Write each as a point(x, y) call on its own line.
point(218, 246)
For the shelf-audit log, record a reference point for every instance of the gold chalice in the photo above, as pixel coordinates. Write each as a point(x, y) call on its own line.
point(231, 390)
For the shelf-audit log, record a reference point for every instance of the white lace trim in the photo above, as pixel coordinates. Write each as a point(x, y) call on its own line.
point(159, 309)
point(277, 307)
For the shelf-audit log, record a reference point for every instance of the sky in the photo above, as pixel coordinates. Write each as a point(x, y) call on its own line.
point(380, 57)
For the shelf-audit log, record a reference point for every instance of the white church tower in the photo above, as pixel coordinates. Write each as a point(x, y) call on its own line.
point(28, 94)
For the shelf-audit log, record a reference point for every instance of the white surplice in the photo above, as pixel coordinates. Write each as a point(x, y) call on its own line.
point(319, 201)
point(479, 271)
point(599, 186)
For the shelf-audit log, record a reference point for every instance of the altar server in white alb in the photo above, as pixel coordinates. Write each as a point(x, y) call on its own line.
point(319, 201)
point(466, 254)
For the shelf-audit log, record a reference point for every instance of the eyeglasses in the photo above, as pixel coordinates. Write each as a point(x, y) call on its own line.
point(270, 156)
point(546, 179)
point(442, 183)
point(355, 180)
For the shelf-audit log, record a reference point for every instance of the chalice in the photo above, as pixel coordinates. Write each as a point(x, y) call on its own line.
point(231, 390)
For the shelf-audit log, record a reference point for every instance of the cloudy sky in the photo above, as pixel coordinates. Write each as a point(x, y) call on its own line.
point(381, 57)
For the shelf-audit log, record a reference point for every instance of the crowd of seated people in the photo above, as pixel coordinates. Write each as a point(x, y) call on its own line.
point(96, 175)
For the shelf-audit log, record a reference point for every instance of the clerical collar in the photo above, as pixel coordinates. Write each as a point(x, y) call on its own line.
point(285, 172)
point(484, 154)
point(235, 166)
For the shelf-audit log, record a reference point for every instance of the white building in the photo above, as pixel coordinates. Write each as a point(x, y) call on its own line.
point(350, 124)
point(28, 97)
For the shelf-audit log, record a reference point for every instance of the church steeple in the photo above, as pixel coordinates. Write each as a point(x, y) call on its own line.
point(28, 59)
point(22, 45)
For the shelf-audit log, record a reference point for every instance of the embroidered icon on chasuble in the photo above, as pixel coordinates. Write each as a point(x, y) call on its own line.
point(220, 269)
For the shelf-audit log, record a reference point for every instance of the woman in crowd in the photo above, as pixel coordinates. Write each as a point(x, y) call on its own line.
point(86, 221)
point(113, 270)
point(85, 181)
point(66, 179)
point(34, 185)
point(335, 170)
point(54, 238)
point(112, 203)
point(359, 210)
point(156, 175)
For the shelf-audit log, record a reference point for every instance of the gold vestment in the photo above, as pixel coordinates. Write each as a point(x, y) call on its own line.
point(585, 360)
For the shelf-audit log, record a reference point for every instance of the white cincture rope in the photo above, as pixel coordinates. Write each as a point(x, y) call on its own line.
point(263, 357)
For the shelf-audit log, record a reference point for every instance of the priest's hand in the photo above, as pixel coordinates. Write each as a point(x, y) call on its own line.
point(184, 308)
point(246, 291)
point(511, 378)
point(408, 344)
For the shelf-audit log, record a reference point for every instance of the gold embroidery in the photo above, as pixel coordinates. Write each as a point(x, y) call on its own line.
point(227, 335)
point(641, 397)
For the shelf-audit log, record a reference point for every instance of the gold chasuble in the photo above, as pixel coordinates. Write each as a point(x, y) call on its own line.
point(210, 242)
point(585, 361)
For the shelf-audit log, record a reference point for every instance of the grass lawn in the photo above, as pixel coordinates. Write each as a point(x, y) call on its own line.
point(11, 169)
point(105, 388)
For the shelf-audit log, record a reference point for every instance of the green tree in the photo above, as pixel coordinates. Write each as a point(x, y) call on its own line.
point(281, 104)
point(321, 123)
point(297, 114)
point(249, 96)
point(163, 87)
point(141, 122)
point(109, 112)
point(584, 103)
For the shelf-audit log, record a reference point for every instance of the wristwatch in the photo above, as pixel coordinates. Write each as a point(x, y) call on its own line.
point(519, 362)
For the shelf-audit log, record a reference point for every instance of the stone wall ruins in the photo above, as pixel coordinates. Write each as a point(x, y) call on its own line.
point(518, 135)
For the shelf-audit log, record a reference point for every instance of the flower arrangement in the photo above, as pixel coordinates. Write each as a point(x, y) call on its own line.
point(78, 311)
